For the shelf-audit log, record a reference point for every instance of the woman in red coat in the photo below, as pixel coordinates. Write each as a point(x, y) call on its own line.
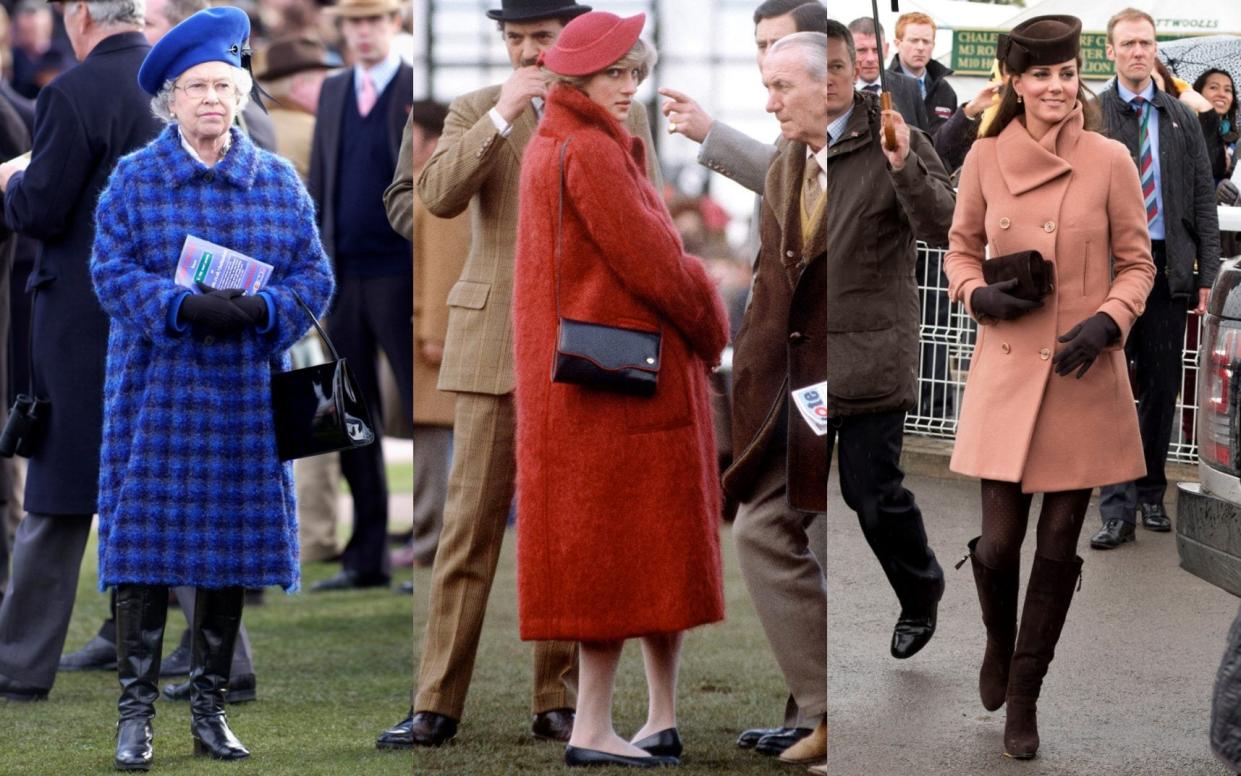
point(1047, 407)
point(618, 495)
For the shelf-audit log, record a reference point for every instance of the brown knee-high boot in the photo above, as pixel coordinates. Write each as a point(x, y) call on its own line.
point(997, 595)
point(1048, 596)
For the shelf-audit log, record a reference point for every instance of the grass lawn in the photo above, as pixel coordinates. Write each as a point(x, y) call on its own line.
point(334, 670)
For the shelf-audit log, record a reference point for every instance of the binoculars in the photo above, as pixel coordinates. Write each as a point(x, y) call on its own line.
point(21, 431)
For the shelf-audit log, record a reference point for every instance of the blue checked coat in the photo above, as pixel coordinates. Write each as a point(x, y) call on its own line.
point(191, 490)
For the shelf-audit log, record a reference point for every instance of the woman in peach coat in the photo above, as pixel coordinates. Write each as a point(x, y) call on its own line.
point(1047, 406)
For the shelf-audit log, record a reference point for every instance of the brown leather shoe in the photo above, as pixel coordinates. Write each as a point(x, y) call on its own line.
point(553, 725)
point(811, 749)
point(430, 729)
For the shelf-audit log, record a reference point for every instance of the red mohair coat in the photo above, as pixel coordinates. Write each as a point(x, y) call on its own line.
point(618, 499)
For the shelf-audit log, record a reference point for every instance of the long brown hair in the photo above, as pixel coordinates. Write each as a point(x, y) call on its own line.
point(1010, 109)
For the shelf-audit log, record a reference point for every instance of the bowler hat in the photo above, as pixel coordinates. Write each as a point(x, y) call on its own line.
point(211, 35)
point(593, 41)
point(531, 10)
point(293, 55)
point(361, 8)
point(1042, 40)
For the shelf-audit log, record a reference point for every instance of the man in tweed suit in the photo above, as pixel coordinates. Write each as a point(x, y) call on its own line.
point(476, 166)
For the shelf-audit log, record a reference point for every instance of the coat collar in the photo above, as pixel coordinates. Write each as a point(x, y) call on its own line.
point(1026, 163)
point(119, 42)
point(568, 108)
point(239, 166)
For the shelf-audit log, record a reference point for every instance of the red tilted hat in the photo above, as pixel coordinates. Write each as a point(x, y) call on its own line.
point(593, 41)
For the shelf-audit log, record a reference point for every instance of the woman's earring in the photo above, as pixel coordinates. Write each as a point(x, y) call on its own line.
point(1019, 100)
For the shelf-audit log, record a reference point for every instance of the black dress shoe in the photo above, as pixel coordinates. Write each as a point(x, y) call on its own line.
point(99, 654)
point(774, 744)
point(576, 757)
point(241, 689)
point(427, 728)
point(665, 743)
point(553, 725)
point(1113, 534)
point(912, 633)
point(346, 579)
point(21, 692)
point(399, 736)
point(178, 661)
point(1154, 518)
point(749, 738)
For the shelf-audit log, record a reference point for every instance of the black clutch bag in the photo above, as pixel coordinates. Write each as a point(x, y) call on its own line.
point(1032, 272)
point(595, 355)
point(319, 409)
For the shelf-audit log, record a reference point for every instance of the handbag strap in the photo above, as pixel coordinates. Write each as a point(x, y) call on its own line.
point(326, 339)
point(564, 149)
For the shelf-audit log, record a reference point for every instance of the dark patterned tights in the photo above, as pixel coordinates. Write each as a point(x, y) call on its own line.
point(1006, 512)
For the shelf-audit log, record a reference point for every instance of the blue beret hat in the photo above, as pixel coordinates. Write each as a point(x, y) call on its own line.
point(211, 35)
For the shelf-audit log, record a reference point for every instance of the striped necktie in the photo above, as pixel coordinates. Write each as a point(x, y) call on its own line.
point(872, 88)
point(1146, 163)
point(811, 190)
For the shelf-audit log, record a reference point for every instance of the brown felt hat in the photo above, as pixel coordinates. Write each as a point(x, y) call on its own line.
point(288, 56)
point(1043, 40)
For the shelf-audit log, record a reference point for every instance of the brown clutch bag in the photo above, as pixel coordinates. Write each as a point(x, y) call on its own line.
point(1032, 272)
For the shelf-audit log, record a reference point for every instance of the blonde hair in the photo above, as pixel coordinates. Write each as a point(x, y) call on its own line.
point(640, 56)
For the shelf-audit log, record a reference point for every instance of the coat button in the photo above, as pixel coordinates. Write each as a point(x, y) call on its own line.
point(1004, 346)
point(209, 176)
point(1049, 227)
point(1044, 354)
point(1005, 223)
point(797, 337)
point(208, 340)
point(790, 254)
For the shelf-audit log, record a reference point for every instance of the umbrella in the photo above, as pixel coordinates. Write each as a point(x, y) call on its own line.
point(885, 97)
point(1189, 58)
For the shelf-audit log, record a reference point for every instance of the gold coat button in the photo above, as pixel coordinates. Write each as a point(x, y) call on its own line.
point(1004, 346)
point(1005, 223)
point(1044, 354)
point(1049, 227)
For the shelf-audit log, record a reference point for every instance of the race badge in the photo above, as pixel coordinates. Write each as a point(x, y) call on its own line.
point(811, 402)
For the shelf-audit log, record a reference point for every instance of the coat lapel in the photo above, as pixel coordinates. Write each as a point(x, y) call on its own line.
point(1026, 163)
point(523, 130)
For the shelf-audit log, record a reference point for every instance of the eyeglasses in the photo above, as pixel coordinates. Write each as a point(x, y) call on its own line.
point(198, 89)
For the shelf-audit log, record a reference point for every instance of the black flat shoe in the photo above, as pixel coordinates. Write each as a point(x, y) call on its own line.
point(1113, 534)
point(99, 654)
point(18, 691)
point(399, 736)
point(350, 580)
point(553, 725)
point(576, 757)
point(241, 689)
point(774, 744)
point(911, 634)
point(430, 729)
point(178, 661)
point(665, 743)
point(1154, 518)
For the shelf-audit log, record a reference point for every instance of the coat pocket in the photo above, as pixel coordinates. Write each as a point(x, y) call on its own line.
point(863, 364)
point(469, 294)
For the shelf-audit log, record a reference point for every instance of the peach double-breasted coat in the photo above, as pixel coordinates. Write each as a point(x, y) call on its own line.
point(1074, 196)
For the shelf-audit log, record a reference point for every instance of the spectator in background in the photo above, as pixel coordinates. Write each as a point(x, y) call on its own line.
point(915, 43)
point(1218, 87)
point(353, 155)
point(957, 135)
point(871, 50)
point(38, 56)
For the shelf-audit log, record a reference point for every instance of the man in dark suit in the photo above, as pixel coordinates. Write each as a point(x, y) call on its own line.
point(81, 129)
point(357, 140)
point(871, 49)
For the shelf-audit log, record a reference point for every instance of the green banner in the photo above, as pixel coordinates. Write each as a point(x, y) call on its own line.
point(973, 52)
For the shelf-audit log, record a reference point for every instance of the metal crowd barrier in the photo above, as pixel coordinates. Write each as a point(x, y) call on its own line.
point(947, 339)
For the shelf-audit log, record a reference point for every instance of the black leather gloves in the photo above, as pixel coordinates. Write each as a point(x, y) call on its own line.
point(1083, 344)
point(995, 301)
point(255, 309)
point(224, 312)
point(1226, 193)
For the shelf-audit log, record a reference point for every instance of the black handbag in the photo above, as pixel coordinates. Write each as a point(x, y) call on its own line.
point(1032, 271)
point(319, 409)
point(596, 355)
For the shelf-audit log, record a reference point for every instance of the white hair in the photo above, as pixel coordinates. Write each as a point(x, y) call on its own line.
point(109, 12)
point(813, 46)
point(161, 103)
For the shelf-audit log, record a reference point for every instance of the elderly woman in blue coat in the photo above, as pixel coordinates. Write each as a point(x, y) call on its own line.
point(192, 491)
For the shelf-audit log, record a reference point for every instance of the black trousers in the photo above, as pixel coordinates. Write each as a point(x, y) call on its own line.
point(1154, 347)
point(372, 314)
point(871, 481)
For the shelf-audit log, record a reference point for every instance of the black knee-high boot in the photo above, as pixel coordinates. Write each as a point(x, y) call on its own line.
point(997, 596)
point(1048, 596)
point(217, 616)
point(141, 611)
